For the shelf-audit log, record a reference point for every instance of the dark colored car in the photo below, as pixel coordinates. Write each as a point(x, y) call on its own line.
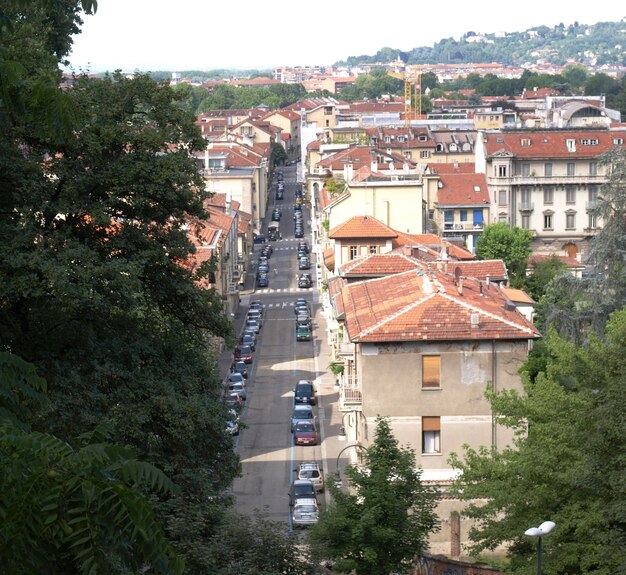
point(299, 233)
point(301, 489)
point(276, 215)
point(248, 340)
point(279, 195)
point(303, 246)
point(243, 353)
point(303, 333)
point(267, 251)
point(304, 263)
point(259, 239)
point(256, 304)
point(305, 281)
point(262, 281)
point(304, 392)
point(239, 367)
point(305, 433)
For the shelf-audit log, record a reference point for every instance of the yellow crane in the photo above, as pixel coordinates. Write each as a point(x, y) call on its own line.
point(410, 112)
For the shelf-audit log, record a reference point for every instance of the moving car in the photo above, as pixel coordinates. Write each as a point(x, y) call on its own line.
point(301, 413)
point(311, 470)
point(299, 233)
point(304, 392)
point(276, 215)
point(304, 512)
point(306, 433)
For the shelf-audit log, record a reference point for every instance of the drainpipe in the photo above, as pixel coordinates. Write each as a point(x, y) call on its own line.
point(494, 388)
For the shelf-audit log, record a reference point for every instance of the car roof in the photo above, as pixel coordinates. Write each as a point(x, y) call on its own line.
point(309, 465)
point(302, 501)
point(304, 381)
point(300, 407)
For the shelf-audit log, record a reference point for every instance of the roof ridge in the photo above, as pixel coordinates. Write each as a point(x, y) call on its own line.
point(487, 313)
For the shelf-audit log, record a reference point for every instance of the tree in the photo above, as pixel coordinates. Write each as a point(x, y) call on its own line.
point(511, 244)
point(566, 462)
point(69, 509)
point(278, 154)
point(385, 520)
point(543, 272)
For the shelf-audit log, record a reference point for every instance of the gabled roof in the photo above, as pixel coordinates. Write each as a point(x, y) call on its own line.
point(452, 168)
point(432, 244)
point(571, 263)
point(363, 156)
point(547, 144)
point(361, 227)
point(374, 265)
point(481, 269)
point(418, 306)
point(464, 189)
point(518, 296)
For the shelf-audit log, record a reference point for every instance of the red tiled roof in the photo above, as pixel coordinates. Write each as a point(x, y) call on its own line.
point(463, 190)
point(552, 143)
point(432, 243)
point(452, 168)
point(416, 306)
point(362, 227)
point(329, 258)
point(480, 269)
point(569, 262)
point(362, 156)
point(517, 295)
point(379, 265)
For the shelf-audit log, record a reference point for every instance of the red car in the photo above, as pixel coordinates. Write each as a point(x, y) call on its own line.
point(305, 433)
point(243, 353)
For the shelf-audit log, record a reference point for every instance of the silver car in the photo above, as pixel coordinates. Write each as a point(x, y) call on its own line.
point(301, 413)
point(305, 512)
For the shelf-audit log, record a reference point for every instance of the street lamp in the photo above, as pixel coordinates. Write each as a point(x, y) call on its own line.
point(355, 445)
point(539, 532)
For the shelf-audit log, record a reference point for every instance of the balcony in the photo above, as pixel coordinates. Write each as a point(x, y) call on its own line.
point(564, 180)
point(526, 206)
point(350, 396)
point(345, 349)
point(591, 205)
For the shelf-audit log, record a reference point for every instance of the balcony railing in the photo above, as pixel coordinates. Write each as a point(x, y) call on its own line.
point(526, 206)
point(519, 180)
point(461, 226)
point(350, 396)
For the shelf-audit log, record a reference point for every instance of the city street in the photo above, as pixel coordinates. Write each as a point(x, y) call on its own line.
point(265, 444)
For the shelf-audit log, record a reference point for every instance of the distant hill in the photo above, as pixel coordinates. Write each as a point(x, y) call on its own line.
point(590, 45)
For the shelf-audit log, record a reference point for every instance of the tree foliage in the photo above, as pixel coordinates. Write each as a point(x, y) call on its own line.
point(511, 244)
point(69, 509)
point(387, 516)
point(566, 463)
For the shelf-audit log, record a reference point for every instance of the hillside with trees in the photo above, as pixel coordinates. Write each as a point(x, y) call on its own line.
point(595, 44)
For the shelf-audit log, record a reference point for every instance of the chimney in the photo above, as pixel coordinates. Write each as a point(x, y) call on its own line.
point(374, 166)
point(480, 285)
point(488, 281)
point(475, 321)
point(460, 286)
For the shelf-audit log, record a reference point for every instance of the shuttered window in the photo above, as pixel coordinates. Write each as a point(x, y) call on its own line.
point(431, 435)
point(431, 371)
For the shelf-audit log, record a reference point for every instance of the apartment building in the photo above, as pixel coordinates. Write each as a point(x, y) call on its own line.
point(547, 181)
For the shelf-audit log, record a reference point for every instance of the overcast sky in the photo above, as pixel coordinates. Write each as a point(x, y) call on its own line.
point(150, 35)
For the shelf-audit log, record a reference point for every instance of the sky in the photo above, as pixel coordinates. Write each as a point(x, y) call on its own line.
point(152, 35)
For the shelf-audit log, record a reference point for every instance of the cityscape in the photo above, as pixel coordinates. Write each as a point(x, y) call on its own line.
point(350, 333)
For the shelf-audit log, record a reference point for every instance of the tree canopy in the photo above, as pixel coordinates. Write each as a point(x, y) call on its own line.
point(385, 518)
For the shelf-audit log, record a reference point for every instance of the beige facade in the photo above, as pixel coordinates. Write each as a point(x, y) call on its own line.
point(289, 123)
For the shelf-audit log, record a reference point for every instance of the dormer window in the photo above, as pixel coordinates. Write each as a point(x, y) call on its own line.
point(589, 141)
point(452, 147)
point(618, 141)
point(571, 145)
point(439, 148)
point(423, 138)
point(387, 139)
point(525, 142)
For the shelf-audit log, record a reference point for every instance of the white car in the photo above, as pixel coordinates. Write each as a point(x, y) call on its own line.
point(239, 388)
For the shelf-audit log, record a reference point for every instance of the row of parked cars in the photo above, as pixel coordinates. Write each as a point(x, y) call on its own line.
point(263, 267)
point(309, 479)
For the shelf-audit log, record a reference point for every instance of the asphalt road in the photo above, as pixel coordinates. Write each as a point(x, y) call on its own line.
point(265, 445)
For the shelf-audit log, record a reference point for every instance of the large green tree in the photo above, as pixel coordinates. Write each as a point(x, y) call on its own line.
point(385, 517)
point(511, 244)
point(566, 463)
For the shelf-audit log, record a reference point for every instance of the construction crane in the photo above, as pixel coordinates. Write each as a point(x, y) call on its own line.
point(410, 112)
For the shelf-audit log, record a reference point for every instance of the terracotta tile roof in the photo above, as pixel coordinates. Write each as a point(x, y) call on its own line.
point(480, 269)
point(452, 168)
point(517, 295)
point(329, 258)
point(371, 107)
point(335, 285)
point(463, 190)
point(363, 156)
point(552, 143)
point(417, 306)
point(433, 244)
point(362, 227)
point(373, 265)
point(569, 262)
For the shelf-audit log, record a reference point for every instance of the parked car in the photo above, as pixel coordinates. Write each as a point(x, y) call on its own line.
point(300, 413)
point(262, 281)
point(301, 489)
point(303, 320)
point(247, 339)
point(305, 281)
point(239, 367)
point(267, 251)
point(263, 268)
point(298, 233)
point(276, 215)
point(304, 392)
point(303, 333)
point(304, 512)
point(250, 333)
point(254, 313)
point(254, 325)
point(234, 377)
point(256, 304)
point(279, 194)
point(243, 353)
point(303, 246)
point(312, 471)
point(304, 263)
point(233, 400)
point(305, 433)
point(238, 388)
point(232, 423)
point(259, 238)
point(301, 307)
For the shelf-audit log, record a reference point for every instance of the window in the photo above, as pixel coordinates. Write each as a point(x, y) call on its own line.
point(501, 171)
point(548, 195)
point(525, 142)
point(570, 194)
point(525, 195)
point(618, 141)
point(439, 148)
point(463, 215)
point(571, 169)
point(452, 147)
point(431, 369)
point(589, 141)
point(424, 154)
point(502, 198)
point(526, 169)
point(353, 252)
point(571, 145)
point(570, 221)
point(387, 139)
point(503, 219)
point(431, 434)
point(547, 221)
point(593, 221)
point(407, 154)
point(373, 249)
point(547, 169)
point(526, 222)
point(593, 168)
